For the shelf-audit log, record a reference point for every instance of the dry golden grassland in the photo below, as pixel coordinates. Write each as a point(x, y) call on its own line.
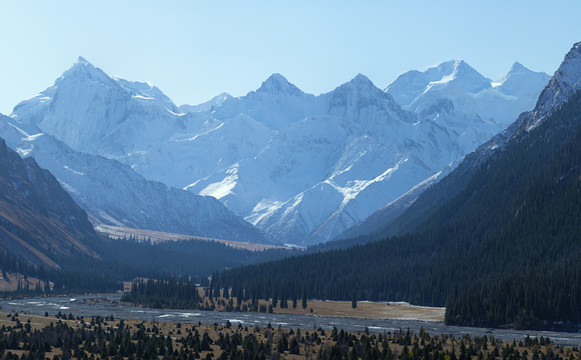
point(364, 309)
point(368, 309)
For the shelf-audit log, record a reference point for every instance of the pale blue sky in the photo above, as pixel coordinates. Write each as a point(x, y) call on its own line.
point(193, 50)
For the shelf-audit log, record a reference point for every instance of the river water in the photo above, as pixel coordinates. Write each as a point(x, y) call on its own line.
point(107, 305)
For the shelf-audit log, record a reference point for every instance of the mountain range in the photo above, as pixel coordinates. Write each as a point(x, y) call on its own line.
point(496, 240)
point(299, 167)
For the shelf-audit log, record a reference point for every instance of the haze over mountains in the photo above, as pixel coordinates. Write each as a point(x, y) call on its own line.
point(301, 168)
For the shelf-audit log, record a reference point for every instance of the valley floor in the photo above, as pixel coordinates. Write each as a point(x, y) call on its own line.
point(62, 336)
point(107, 305)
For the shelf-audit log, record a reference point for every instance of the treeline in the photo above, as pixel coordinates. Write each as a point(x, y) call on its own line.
point(160, 294)
point(126, 259)
point(176, 294)
point(182, 257)
point(504, 251)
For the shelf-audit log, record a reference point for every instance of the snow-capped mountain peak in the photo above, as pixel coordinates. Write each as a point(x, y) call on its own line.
point(470, 94)
point(358, 87)
point(517, 67)
point(278, 84)
point(83, 70)
point(361, 80)
point(463, 77)
point(276, 104)
point(82, 106)
point(82, 60)
point(360, 99)
point(450, 77)
point(87, 109)
point(520, 79)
